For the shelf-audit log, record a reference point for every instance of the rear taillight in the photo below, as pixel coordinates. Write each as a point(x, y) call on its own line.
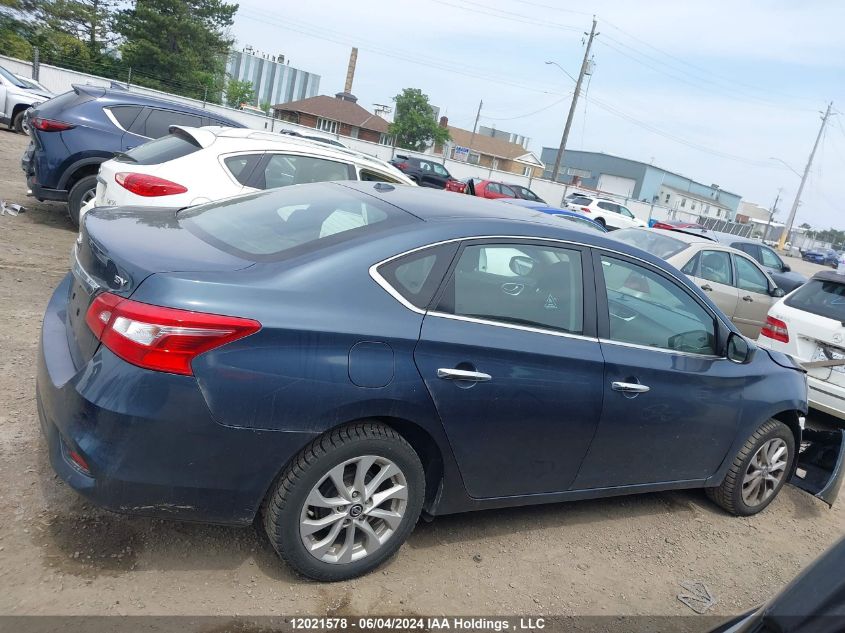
point(148, 186)
point(402, 166)
point(161, 339)
point(776, 330)
point(660, 225)
point(49, 125)
point(585, 209)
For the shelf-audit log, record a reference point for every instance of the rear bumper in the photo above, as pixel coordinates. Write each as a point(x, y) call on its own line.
point(45, 193)
point(149, 440)
point(826, 397)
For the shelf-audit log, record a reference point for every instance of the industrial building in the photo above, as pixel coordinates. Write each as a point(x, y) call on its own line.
point(273, 79)
point(641, 181)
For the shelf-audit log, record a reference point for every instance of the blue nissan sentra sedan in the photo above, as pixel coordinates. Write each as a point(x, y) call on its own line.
point(337, 358)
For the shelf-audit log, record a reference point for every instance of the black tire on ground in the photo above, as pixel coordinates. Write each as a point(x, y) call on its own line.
point(17, 122)
point(77, 195)
point(284, 505)
point(729, 494)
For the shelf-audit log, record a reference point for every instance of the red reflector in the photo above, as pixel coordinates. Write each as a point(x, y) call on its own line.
point(148, 186)
point(79, 461)
point(50, 125)
point(776, 330)
point(158, 338)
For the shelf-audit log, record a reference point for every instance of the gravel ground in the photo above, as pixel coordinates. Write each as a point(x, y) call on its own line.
point(60, 555)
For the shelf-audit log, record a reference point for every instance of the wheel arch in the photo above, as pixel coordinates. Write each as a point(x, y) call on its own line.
point(18, 108)
point(80, 169)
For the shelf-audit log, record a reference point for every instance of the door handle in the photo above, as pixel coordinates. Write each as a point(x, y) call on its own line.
point(707, 288)
point(747, 298)
point(629, 387)
point(463, 374)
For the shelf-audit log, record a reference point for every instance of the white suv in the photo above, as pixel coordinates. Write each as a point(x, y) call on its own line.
point(608, 213)
point(191, 166)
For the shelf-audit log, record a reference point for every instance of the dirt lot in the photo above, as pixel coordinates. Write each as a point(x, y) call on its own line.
point(60, 555)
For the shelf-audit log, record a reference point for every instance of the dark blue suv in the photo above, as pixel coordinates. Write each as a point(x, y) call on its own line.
point(75, 132)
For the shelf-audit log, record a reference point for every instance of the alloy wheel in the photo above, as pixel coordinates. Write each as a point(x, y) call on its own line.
point(765, 472)
point(354, 509)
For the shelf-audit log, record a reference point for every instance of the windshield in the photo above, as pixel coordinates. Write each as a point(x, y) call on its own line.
point(651, 241)
point(821, 297)
point(277, 224)
point(15, 81)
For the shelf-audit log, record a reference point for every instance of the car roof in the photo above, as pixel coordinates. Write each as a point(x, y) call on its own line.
point(286, 141)
point(681, 236)
point(121, 97)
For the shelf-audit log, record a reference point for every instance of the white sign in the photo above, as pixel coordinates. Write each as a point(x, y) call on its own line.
point(461, 153)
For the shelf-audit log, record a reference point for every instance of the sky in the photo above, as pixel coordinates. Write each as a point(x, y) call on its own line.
point(715, 90)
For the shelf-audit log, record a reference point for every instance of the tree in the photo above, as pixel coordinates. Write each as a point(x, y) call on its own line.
point(238, 92)
point(414, 126)
point(804, 226)
point(179, 45)
point(89, 21)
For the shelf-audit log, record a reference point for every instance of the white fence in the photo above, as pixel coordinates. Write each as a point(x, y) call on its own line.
point(60, 80)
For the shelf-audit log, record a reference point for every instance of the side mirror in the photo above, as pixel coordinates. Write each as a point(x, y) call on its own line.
point(785, 268)
point(740, 349)
point(521, 265)
point(777, 292)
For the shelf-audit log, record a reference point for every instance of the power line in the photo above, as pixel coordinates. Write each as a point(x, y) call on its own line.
point(523, 116)
point(508, 15)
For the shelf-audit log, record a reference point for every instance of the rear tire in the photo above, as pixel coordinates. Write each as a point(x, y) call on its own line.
point(602, 222)
point(82, 191)
point(758, 471)
point(346, 503)
point(17, 123)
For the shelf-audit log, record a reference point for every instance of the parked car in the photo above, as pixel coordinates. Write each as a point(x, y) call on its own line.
point(339, 357)
point(809, 324)
point(17, 95)
point(606, 212)
point(562, 214)
point(493, 189)
point(780, 271)
point(732, 279)
point(77, 131)
point(812, 603)
point(671, 225)
point(823, 256)
point(427, 173)
point(191, 166)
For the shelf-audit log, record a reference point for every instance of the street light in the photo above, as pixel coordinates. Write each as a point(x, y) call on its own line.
point(563, 70)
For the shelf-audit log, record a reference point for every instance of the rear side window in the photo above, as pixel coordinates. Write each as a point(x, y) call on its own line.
point(161, 150)
point(282, 170)
point(417, 276)
point(242, 166)
point(373, 176)
point(125, 115)
point(652, 242)
point(824, 298)
point(282, 223)
point(159, 121)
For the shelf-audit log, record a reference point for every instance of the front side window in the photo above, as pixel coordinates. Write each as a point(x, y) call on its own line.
point(624, 211)
point(770, 259)
point(374, 176)
point(749, 277)
point(288, 169)
point(521, 284)
point(716, 266)
point(645, 308)
point(508, 191)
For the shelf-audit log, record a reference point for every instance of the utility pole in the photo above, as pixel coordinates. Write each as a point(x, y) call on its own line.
point(772, 214)
point(565, 137)
point(474, 126)
point(785, 235)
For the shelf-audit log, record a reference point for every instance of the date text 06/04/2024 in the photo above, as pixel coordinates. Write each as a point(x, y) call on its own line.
point(418, 623)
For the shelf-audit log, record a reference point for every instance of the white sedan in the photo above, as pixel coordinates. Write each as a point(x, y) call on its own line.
point(808, 325)
point(191, 166)
point(608, 213)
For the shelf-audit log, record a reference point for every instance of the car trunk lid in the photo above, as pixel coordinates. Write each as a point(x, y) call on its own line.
point(117, 249)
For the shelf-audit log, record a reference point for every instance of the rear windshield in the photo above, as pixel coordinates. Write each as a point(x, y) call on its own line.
point(584, 202)
point(281, 223)
point(175, 145)
point(824, 298)
point(652, 242)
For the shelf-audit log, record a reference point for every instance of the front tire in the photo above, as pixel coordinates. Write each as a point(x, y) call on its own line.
point(758, 472)
point(346, 503)
point(18, 125)
point(80, 194)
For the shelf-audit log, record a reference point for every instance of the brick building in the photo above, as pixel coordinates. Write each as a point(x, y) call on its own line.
point(339, 115)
